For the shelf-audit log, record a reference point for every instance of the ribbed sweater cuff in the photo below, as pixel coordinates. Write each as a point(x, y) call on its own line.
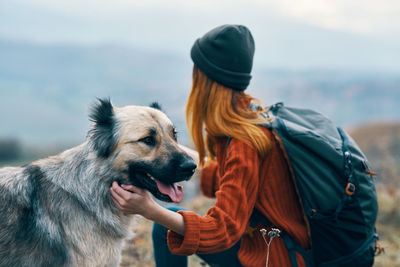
point(188, 244)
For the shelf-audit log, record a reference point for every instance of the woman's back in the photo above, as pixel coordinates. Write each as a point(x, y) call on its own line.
point(276, 199)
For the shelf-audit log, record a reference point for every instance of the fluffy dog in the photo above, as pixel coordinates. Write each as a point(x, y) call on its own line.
point(58, 211)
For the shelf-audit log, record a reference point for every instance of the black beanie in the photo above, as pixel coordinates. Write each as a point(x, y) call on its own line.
point(225, 55)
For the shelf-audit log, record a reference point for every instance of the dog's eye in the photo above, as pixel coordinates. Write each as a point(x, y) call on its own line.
point(175, 134)
point(149, 140)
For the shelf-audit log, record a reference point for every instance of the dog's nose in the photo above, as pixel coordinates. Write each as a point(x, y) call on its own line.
point(188, 168)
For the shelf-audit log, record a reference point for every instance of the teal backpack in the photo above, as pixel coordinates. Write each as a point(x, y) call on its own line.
point(335, 188)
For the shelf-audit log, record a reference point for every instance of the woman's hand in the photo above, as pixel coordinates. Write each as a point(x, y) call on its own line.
point(133, 200)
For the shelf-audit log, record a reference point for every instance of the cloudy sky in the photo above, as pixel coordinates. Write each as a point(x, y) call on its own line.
point(288, 33)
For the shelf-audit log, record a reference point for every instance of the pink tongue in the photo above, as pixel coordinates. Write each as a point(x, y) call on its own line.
point(174, 191)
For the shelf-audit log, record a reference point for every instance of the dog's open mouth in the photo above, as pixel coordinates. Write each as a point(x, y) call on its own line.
point(174, 191)
point(168, 192)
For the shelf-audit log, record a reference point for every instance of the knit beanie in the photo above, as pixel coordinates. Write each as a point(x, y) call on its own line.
point(225, 55)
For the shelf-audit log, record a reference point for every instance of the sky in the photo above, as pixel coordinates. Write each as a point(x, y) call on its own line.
point(287, 33)
point(365, 17)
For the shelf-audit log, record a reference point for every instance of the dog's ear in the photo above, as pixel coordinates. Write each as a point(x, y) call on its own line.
point(156, 105)
point(102, 135)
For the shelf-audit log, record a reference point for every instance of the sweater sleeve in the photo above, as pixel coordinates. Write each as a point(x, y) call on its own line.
point(209, 179)
point(226, 221)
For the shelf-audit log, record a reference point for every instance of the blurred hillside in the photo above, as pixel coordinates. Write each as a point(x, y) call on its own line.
point(381, 144)
point(45, 90)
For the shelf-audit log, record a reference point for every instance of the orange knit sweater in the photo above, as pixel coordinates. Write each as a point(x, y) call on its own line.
point(241, 180)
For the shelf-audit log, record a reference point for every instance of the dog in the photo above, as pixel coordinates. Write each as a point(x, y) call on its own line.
point(58, 211)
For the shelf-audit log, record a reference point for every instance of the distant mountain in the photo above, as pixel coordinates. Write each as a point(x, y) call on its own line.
point(45, 90)
point(347, 97)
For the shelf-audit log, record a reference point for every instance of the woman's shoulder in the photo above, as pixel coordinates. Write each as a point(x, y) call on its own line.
point(238, 144)
point(267, 132)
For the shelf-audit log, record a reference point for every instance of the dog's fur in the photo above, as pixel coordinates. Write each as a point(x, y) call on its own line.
point(58, 211)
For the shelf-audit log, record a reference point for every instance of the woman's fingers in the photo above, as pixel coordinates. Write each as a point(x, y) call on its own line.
point(125, 195)
point(116, 196)
point(132, 188)
point(131, 199)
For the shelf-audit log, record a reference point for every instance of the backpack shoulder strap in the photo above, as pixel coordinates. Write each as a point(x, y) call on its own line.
point(292, 246)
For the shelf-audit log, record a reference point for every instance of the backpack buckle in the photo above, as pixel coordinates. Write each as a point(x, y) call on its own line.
point(274, 108)
point(350, 189)
point(378, 249)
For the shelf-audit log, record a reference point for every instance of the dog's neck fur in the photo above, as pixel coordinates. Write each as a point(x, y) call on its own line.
point(81, 164)
point(84, 179)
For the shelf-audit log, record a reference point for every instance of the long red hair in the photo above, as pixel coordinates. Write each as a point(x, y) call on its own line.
point(220, 111)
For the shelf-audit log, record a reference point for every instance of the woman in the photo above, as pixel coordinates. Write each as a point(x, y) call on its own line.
point(245, 168)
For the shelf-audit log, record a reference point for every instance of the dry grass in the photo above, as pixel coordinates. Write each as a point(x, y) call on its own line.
point(388, 226)
point(139, 251)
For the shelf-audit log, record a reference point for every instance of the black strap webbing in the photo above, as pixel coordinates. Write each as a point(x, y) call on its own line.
point(292, 246)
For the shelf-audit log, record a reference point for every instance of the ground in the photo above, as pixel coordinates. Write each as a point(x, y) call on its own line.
point(139, 251)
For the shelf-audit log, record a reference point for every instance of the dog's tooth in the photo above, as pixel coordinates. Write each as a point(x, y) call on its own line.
point(151, 177)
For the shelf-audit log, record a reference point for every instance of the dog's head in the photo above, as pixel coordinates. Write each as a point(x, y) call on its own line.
point(141, 144)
